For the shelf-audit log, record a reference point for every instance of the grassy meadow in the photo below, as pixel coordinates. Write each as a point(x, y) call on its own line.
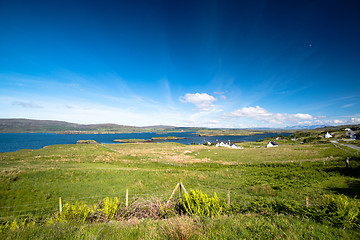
point(32, 181)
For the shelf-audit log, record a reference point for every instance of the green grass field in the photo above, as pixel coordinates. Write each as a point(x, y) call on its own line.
point(32, 181)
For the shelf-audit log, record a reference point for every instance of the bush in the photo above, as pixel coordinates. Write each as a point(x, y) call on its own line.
point(339, 210)
point(16, 224)
point(109, 207)
point(311, 139)
point(77, 212)
point(199, 204)
point(336, 210)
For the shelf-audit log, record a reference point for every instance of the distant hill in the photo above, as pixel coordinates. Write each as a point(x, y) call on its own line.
point(337, 128)
point(304, 127)
point(50, 126)
point(323, 128)
point(16, 125)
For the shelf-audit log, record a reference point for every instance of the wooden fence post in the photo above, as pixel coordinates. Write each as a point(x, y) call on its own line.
point(60, 205)
point(228, 198)
point(127, 197)
point(172, 194)
point(307, 201)
point(183, 187)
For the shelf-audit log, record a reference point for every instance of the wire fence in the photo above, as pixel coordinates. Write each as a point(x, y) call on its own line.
point(354, 152)
point(163, 192)
point(157, 193)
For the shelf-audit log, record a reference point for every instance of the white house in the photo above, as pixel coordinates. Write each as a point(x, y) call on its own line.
point(327, 135)
point(350, 133)
point(235, 146)
point(272, 144)
point(228, 145)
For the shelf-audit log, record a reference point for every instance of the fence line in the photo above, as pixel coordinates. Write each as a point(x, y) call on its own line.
point(162, 191)
point(30, 204)
point(135, 198)
point(349, 152)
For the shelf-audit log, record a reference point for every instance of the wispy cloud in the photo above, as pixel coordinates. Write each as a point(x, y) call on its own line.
point(262, 115)
point(26, 104)
point(337, 121)
point(221, 95)
point(202, 101)
point(349, 105)
point(355, 120)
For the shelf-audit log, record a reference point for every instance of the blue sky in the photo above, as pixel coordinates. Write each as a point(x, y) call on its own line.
point(207, 63)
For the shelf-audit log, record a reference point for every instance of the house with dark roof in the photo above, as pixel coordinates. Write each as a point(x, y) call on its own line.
point(272, 144)
point(350, 133)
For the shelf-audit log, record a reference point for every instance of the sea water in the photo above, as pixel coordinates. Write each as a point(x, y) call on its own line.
point(10, 142)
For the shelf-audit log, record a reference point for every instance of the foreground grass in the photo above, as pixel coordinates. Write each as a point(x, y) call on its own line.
point(242, 226)
point(32, 181)
point(83, 171)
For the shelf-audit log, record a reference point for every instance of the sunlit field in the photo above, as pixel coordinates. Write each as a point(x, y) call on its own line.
point(32, 181)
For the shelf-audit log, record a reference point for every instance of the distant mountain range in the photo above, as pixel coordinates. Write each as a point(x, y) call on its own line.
point(50, 126)
point(16, 125)
point(305, 127)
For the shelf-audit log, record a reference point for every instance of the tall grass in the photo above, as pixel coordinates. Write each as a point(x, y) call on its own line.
point(242, 226)
point(31, 182)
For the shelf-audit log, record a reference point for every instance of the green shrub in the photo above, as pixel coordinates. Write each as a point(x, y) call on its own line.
point(310, 139)
point(109, 207)
point(77, 212)
point(336, 210)
point(16, 224)
point(339, 210)
point(167, 210)
point(199, 204)
point(270, 206)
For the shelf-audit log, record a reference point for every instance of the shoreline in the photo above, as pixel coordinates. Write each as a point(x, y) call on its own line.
point(11, 142)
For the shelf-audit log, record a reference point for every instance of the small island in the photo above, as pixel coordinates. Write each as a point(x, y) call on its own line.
point(166, 138)
point(153, 139)
point(86, 142)
point(130, 140)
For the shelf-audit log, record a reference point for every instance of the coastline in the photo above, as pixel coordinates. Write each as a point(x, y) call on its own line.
point(10, 142)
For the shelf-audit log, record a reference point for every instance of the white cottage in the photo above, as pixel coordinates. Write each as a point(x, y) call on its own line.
point(228, 145)
point(350, 133)
point(272, 144)
point(327, 135)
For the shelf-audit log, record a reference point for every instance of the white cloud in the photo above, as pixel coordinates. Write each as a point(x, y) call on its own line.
point(202, 101)
point(250, 112)
point(26, 104)
point(336, 121)
point(303, 116)
point(355, 120)
point(221, 95)
point(214, 121)
point(260, 114)
point(349, 105)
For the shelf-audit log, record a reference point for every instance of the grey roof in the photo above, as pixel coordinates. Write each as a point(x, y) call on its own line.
point(350, 132)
